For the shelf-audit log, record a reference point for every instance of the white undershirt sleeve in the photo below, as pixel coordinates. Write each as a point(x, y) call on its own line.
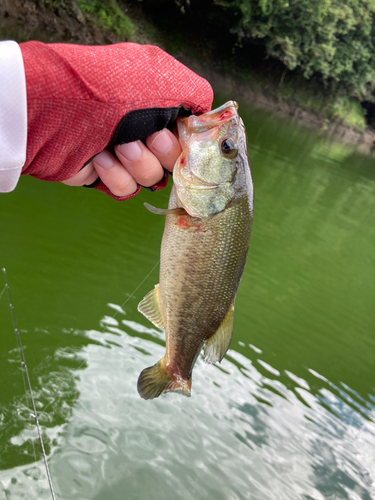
point(13, 115)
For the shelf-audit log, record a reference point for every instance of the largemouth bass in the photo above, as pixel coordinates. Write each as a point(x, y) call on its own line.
point(204, 248)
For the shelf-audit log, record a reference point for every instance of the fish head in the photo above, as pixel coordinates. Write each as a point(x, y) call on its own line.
point(209, 173)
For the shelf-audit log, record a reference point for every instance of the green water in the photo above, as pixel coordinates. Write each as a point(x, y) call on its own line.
point(290, 412)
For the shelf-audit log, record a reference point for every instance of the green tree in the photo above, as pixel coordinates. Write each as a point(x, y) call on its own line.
point(331, 38)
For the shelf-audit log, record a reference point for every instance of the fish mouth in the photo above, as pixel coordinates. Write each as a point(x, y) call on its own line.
point(214, 118)
point(208, 124)
point(223, 107)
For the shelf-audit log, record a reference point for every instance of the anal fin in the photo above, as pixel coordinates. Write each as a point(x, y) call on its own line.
point(217, 345)
point(149, 306)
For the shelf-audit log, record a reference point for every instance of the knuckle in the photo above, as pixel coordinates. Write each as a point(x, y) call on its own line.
point(123, 187)
point(149, 179)
point(151, 175)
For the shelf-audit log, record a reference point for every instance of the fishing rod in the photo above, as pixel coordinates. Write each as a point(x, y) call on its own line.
point(34, 415)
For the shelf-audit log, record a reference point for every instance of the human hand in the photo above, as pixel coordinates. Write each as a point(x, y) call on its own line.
point(134, 164)
point(83, 101)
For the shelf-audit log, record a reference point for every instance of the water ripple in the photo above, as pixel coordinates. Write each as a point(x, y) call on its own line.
point(241, 435)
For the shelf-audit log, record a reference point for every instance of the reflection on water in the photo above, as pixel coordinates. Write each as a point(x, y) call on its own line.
point(243, 434)
point(290, 412)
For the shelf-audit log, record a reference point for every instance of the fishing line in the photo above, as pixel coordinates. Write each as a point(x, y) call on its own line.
point(105, 326)
point(122, 306)
point(25, 393)
point(132, 295)
point(96, 342)
point(2, 292)
point(34, 415)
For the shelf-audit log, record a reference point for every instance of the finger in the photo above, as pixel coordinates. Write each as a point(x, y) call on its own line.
point(113, 174)
point(140, 162)
point(86, 176)
point(165, 147)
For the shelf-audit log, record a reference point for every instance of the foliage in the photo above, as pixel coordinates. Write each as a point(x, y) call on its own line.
point(335, 106)
point(325, 39)
point(331, 38)
point(349, 112)
point(104, 13)
point(109, 15)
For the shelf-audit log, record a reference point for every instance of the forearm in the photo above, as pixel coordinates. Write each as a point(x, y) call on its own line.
point(78, 105)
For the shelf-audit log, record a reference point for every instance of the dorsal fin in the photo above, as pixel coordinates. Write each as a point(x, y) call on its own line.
point(217, 345)
point(149, 306)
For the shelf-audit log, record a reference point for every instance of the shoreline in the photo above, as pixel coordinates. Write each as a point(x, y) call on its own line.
point(41, 20)
point(363, 141)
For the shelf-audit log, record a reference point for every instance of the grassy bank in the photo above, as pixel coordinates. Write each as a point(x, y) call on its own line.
point(332, 108)
point(266, 81)
point(109, 16)
point(182, 37)
point(170, 30)
point(106, 15)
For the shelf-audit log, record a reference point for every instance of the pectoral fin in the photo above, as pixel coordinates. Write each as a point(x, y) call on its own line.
point(149, 306)
point(165, 211)
point(217, 345)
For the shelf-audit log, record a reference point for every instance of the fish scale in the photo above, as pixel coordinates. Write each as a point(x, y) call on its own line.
point(203, 252)
point(197, 301)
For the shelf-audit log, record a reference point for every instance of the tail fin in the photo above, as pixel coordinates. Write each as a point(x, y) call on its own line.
point(156, 379)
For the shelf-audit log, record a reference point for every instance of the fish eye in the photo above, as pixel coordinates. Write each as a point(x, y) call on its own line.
point(228, 147)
